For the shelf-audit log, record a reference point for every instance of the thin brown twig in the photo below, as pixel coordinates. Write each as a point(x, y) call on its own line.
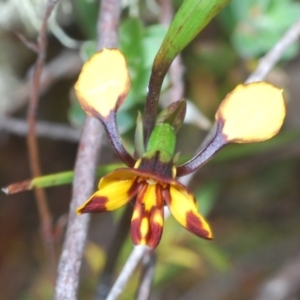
point(32, 144)
point(85, 169)
point(34, 47)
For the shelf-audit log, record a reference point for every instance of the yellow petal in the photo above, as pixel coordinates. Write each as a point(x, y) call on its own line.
point(115, 190)
point(103, 83)
point(183, 207)
point(117, 175)
point(147, 219)
point(252, 112)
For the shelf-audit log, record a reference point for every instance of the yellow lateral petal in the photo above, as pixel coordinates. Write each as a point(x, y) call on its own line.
point(252, 112)
point(183, 207)
point(112, 195)
point(103, 83)
point(117, 175)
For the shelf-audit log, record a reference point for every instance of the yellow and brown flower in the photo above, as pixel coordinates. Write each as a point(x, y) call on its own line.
point(250, 113)
point(152, 192)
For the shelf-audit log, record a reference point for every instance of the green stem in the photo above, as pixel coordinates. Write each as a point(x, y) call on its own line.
point(190, 19)
point(53, 180)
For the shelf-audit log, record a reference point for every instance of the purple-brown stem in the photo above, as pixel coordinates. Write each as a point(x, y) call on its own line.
point(217, 142)
point(111, 128)
point(150, 111)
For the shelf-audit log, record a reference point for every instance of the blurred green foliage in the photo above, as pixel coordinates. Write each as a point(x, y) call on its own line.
point(255, 26)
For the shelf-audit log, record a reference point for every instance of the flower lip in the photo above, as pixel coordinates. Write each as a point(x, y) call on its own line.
point(154, 165)
point(153, 177)
point(148, 175)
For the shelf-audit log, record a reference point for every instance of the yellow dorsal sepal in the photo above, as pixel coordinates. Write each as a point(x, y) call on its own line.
point(252, 112)
point(103, 83)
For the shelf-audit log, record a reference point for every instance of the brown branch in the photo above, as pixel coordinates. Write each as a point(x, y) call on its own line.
point(85, 169)
point(108, 24)
point(34, 47)
point(34, 160)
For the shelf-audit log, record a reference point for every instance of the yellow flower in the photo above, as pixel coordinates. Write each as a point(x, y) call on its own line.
point(152, 192)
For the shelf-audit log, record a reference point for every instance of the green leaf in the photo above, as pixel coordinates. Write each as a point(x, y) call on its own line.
point(54, 180)
point(190, 19)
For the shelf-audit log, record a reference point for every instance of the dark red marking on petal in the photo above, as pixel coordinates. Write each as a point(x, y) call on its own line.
point(194, 225)
point(134, 189)
point(166, 195)
point(155, 230)
point(136, 224)
point(141, 192)
point(159, 197)
point(95, 205)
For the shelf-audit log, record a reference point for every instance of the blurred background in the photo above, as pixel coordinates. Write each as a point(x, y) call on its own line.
point(249, 193)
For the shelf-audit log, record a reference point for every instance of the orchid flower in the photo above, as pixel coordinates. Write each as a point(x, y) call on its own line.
point(250, 113)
